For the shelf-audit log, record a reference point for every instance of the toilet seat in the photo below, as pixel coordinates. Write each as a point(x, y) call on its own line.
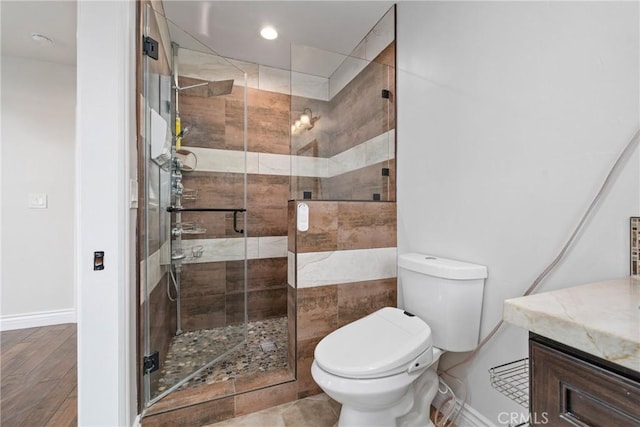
point(381, 344)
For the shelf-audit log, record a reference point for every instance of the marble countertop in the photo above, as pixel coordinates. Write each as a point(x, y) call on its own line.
point(602, 319)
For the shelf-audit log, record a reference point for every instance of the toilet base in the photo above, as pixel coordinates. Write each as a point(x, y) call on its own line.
point(412, 410)
point(424, 391)
point(386, 417)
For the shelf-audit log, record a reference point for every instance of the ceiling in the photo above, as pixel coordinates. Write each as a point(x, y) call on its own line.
point(55, 19)
point(230, 28)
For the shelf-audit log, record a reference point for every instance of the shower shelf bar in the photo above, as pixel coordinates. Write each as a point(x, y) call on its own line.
point(234, 210)
point(175, 209)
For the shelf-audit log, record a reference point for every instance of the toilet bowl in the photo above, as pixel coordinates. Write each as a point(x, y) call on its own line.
point(383, 368)
point(372, 365)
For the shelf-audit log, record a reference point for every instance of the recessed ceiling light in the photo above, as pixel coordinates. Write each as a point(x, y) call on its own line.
point(269, 33)
point(41, 39)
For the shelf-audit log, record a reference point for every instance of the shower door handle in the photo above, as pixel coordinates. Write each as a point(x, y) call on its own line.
point(235, 221)
point(234, 210)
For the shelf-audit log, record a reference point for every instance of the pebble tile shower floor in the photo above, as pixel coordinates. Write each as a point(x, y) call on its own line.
point(191, 350)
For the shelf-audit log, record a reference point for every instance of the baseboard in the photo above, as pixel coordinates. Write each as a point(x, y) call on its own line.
point(472, 418)
point(469, 417)
point(35, 320)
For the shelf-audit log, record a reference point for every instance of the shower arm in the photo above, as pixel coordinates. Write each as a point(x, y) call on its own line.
point(234, 210)
point(178, 88)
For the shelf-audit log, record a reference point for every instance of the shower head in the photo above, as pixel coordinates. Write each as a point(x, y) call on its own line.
point(221, 87)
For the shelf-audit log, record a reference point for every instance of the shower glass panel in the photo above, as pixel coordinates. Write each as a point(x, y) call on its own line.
point(343, 119)
point(193, 269)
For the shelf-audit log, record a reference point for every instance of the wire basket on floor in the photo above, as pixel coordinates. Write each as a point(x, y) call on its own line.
point(512, 380)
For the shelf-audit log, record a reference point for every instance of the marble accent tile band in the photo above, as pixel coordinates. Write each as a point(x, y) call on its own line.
point(215, 250)
point(337, 267)
point(291, 268)
point(232, 249)
point(155, 271)
point(371, 152)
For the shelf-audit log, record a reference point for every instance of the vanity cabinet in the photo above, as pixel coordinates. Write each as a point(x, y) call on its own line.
point(571, 388)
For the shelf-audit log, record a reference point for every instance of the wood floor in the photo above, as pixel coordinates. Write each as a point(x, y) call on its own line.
point(38, 368)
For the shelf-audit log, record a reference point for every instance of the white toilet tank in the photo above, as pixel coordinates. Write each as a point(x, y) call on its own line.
point(447, 294)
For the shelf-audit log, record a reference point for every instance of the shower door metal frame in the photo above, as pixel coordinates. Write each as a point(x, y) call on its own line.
point(146, 159)
point(148, 400)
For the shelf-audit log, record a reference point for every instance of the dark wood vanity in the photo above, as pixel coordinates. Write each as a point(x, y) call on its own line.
point(569, 387)
point(584, 353)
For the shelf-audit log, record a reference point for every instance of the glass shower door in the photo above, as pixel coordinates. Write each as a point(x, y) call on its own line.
point(193, 239)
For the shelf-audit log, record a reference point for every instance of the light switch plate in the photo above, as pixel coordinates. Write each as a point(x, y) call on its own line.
point(37, 201)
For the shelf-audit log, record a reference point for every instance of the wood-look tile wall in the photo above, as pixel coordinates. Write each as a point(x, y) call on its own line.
point(355, 115)
point(337, 226)
point(192, 409)
point(362, 184)
point(365, 113)
point(162, 324)
point(212, 292)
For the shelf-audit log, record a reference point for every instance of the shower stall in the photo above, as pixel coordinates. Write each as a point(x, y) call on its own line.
point(229, 148)
point(198, 238)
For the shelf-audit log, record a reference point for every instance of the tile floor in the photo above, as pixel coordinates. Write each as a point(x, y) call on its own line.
point(191, 350)
point(314, 411)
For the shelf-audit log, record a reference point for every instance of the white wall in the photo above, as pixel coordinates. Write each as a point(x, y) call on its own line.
point(104, 162)
point(38, 115)
point(509, 117)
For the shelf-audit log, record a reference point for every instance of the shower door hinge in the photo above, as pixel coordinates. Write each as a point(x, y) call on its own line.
point(151, 362)
point(150, 47)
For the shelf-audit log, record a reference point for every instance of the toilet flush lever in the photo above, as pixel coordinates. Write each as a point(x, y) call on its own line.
point(422, 361)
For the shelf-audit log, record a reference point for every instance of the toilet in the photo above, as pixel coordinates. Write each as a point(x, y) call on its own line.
point(383, 368)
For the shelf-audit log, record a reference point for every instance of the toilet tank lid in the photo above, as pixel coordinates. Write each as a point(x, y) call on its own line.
point(441, 267)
